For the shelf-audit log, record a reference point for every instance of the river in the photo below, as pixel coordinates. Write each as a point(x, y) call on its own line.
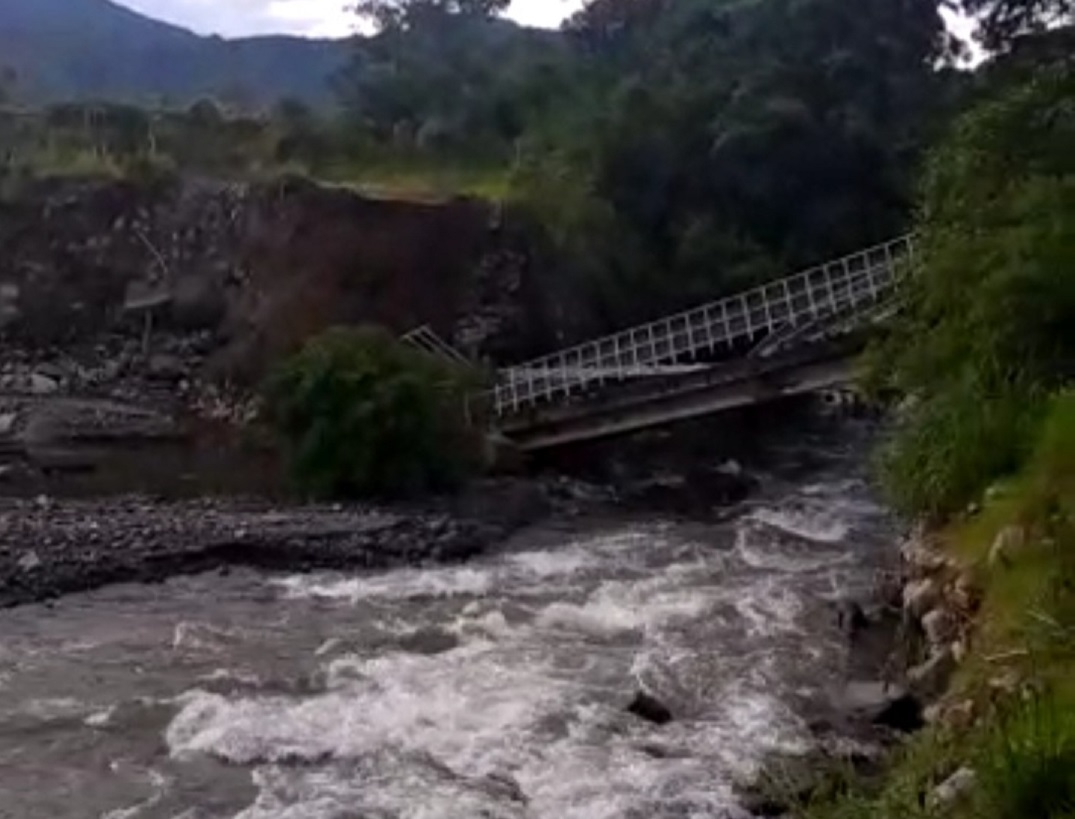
point(495, 689)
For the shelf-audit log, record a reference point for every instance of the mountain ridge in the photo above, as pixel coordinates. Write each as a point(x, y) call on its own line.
point(83, 49)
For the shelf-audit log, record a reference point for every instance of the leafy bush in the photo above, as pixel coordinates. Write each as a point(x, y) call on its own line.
point(989, 310)
point(363, 414)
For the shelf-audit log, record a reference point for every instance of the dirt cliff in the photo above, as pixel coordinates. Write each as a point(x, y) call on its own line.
point(259, 267)
point(176, 298)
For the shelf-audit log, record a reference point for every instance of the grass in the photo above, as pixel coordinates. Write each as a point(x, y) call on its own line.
point(1023, 745)
point(422, 178)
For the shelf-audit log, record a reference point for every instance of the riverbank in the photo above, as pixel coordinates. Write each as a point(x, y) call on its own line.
point(50, 547)
point(989, 610)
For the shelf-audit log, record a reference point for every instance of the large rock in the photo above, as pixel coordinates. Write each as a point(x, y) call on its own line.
point(955, 790)
point(921, 559)
point(646, 706)
point(43, 384)
point(1009, 541)
point(166, 367)
point(882, 704)
point(939, 627)
point(920, 597)
point(930, 679)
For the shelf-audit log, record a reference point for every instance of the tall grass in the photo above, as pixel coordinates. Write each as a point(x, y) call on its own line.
point(948, 448)
point(1026, 766)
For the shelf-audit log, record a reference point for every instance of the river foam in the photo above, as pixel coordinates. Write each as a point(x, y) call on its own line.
point(498, 689)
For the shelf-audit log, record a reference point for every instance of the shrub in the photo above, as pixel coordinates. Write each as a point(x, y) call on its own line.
point(362, 414)
point(987, 322)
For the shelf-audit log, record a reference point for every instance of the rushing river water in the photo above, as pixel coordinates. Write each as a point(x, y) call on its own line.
point(496, 689)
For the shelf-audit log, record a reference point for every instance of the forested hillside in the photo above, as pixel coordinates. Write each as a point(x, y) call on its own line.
point(670, 151)
point(72, 49)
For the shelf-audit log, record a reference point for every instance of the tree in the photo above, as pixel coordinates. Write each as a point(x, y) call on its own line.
point(1001, 21)
point(387, 15)
point(745, 138)
point(446, 68)
point(9, 80)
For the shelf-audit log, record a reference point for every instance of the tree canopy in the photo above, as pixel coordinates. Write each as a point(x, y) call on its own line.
point(1001, 21)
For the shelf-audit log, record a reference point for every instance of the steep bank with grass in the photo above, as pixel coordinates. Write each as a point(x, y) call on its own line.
point(998, 584)
point(983, 454)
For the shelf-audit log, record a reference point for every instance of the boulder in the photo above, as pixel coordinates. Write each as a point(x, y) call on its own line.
point(882, 704)
point(1008, 541)
point(646, 706)
point(966, 594)
point(166, 367)
point(955, 790)
point(939, 627)
point(929, 680)
point(921, 559)
point(851, 618)
point(920, 597)
point(43, 385)
point(29, 561)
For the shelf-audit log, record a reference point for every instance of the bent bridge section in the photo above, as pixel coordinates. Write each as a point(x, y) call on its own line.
point(791, 336)
point(787, 337)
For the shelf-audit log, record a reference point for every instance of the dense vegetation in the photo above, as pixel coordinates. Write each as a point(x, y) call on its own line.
point(983, 355)
point(363, 414)
point(986, 335)
point(674, 150)
point(677, 149)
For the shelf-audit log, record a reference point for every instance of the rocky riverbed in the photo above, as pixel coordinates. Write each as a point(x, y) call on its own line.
point(599, 661)
point(50, 547)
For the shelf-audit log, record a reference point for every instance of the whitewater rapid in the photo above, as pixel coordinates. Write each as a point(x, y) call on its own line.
point(495, 689)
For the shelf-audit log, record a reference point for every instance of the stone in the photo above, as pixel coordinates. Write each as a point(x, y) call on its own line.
point(29, 561)
point(7, 422)
point(955, 790)
point(504, 785)
point(959, 651)
point(929, 679)
point(966, 594)
point(920, 597)
point(646, 706)
point(882, 704)
point(939, 627)
point(53, 371)
point(921, 560)
point(43, 385)
point(1008, 541)
point(851, 618)
point(166, 367)
point(960, 715)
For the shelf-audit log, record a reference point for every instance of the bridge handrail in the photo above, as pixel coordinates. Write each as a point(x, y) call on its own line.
point(426, 339)
point(853, 281)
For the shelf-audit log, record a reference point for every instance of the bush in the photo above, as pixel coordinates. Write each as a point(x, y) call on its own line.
point(363, 414)
point(986, 328)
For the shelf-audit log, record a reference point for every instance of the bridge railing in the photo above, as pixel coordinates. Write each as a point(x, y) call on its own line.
point(425, 339)
point(843, 286)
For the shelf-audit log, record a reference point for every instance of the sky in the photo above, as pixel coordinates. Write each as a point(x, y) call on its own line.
point(331, 18)
point(318, 18)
